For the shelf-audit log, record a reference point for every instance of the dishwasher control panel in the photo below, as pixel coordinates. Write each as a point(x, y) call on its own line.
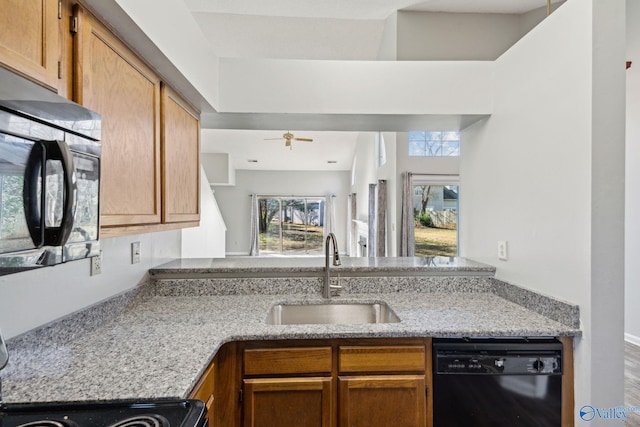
point(480, 364)
point(498, 358)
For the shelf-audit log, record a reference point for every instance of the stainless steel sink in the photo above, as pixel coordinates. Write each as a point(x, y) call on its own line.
point(335, 313)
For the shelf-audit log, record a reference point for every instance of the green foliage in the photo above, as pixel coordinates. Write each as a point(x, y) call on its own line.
point(424, 219)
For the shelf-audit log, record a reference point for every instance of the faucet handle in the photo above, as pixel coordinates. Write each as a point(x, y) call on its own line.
point(335, 289)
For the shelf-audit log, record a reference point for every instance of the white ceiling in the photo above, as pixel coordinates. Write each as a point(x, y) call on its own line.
point(245, 145)
point(357, 9)
point(308, 29)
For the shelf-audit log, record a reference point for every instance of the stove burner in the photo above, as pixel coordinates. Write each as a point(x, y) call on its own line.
point(147, 420)
point(49, 423)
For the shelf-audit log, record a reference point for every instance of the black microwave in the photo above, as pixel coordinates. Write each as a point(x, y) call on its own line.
point(49, 177)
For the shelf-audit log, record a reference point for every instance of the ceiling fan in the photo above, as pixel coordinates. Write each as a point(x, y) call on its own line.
point(288, 137)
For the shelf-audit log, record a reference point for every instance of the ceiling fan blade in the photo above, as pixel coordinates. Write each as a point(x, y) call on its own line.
point(304, 139)
point(272, 139)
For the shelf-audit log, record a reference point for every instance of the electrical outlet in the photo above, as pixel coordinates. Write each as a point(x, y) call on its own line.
point(135, 252)
point(502, 250)
point(96, 264)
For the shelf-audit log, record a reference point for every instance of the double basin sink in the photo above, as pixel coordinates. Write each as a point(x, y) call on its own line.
point(331, 313)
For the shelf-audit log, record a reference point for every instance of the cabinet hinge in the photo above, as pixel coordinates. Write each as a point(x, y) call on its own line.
point(60, 9)
point(74, 24)
point(241, 397)
point(59, 69)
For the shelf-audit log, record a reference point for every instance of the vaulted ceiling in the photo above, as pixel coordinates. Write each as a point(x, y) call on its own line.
point(316, 30)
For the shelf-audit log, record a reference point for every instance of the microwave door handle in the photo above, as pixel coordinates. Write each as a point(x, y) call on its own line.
point(32, 202)
point(57, 236)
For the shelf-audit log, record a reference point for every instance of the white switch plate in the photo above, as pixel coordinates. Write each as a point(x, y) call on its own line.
point(135, 252)
point(502, 250)
point(96, 264)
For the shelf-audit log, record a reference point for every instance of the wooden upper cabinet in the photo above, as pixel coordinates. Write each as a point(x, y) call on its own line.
point(111, 80)
point(180, 159)
point(29, 39)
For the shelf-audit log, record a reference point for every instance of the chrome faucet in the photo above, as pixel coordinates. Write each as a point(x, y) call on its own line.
point(331, 240)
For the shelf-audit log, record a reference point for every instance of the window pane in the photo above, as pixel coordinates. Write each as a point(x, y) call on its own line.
point(315, 222)
point(417, 148)
point(291, 226)
point(269, 225)
point(434, 144)
point(436, 220)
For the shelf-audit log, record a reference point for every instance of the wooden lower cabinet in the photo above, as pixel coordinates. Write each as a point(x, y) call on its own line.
point(277, 402)
point(334, 382)
point(340, 383)
point(205, 390)
point(385, 400)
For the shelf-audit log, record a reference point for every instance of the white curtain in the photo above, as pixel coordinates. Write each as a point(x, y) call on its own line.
point(329, 216)
point(255, 229)
point(352, 235)
point(381, 219)
point(407, 238)
point(371, 238)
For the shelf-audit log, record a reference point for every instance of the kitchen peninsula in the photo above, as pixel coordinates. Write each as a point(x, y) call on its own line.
point(157, 340)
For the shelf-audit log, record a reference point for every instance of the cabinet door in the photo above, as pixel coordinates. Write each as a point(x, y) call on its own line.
point(279, 402)
point(382, 401)
point(114, 82)
point(180, 159)
point(205, 391)
point(29, 42)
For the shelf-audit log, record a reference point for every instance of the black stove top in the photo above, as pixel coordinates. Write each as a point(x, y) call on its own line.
point(158, 413)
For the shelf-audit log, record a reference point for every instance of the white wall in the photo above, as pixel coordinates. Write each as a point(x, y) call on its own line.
point(632, 225)
point(235, 203)
point(389, 42)
point(455, 36)
point(188, 49)
point(545, 174)
point(355, 87)
point(33, 298)
point(367, 172)
point(388, 173)
point(207, 240)
point(218, 168)
point(532, 18)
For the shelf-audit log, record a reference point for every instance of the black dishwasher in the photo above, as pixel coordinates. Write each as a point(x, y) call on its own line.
point(497, 382)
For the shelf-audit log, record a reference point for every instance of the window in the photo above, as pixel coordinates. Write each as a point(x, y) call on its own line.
point(435, 208)
point(291, 225)
point(434, 144)
point(381, 150)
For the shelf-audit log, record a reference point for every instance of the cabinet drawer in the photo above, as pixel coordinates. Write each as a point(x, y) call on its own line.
point(409, 358)
point(284, 361)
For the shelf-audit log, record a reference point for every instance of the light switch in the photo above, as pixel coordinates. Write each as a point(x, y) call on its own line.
point(135, 252)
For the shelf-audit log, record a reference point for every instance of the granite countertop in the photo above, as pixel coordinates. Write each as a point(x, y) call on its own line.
point(145, 345)
point(243, 265)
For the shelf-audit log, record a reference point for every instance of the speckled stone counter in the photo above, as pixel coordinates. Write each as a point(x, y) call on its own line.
point(156, 340)
point(301, 266)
